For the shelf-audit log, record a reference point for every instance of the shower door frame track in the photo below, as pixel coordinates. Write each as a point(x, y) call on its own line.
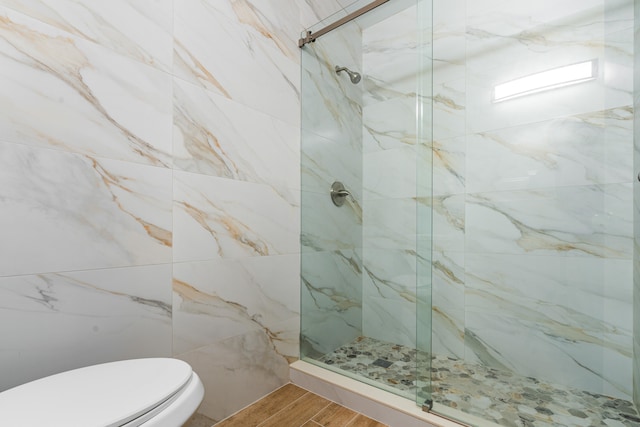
point(311, 37)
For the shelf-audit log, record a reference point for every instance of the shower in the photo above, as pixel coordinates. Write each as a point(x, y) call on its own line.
point(355, 77)
point(488, 267)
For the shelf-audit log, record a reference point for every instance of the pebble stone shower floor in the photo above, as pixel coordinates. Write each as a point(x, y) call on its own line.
point(501, 397)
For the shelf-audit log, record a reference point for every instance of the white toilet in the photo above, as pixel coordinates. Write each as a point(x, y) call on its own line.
point(141, 392)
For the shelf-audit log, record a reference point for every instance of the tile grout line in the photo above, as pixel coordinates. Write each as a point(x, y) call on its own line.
point(283, 409)
point(320, 410)
point(352, 419)
point(250, 404)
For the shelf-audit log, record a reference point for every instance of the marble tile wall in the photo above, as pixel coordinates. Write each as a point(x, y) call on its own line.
point(85, 135)
point(533, 199)
point(151, 188)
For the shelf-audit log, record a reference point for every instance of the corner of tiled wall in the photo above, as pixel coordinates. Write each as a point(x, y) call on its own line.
point(236, 196)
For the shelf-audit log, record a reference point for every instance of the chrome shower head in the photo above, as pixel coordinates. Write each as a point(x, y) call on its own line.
point(355, 77)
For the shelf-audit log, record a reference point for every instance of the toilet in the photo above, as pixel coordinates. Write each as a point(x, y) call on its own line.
point(156, 392)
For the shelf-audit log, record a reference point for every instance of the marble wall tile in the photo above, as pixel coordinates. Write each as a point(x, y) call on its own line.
point(576, 221)
point(82, 318)
point(243, 51)
point(237, 371)
point(391, 124)
point(447, 221)
point(618, 15)
point(582, 306)
point(314, 12)
point(449, 109)
point(326, 227)
point(447, 330)
point(70, 212)
point(389, 223)
point(391, 50)
point(534, 349)
point(591, 148)
point(73, 81)
point(87, 153)
point(495, 31)
point(280, 17)
point(324, 161)
point(389, 320)
point(331, 300)
point(449, 46)
point(449, 166)
point(219, 299)
point(392, 174)
point(449, 279)
point(222, 218)
point(570, 290)
point(619, 65)
point(395, 286)
point(145, 34)
point(333, 104)
point(212, 136)
point(390, 273)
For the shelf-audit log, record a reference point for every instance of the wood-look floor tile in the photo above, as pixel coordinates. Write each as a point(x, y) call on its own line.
point(311, 423)
point(363, 421)
point(334, 415)
point(299, 412)
point(264, 408)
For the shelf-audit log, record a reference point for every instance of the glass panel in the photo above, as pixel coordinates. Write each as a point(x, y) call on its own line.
point(331, 236)
point(360, 260)
point(533, 212)
point(424, 177)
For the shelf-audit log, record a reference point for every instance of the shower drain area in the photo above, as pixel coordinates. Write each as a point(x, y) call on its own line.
point(498, 396)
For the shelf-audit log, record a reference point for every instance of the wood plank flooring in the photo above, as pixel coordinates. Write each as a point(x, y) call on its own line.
point(292, 406)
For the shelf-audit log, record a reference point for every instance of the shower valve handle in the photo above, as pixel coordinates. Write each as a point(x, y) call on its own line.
point(338, 193)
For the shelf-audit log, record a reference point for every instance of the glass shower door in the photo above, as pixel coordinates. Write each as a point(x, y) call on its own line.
point(366, 260)
point(533, 212)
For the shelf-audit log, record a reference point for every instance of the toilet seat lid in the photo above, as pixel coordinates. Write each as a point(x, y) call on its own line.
point(105, 395)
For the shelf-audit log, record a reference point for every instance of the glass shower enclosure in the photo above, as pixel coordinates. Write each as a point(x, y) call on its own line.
point(366, 187)
point(481, 250)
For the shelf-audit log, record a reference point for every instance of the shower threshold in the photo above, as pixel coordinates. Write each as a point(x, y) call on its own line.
point(473, 392)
